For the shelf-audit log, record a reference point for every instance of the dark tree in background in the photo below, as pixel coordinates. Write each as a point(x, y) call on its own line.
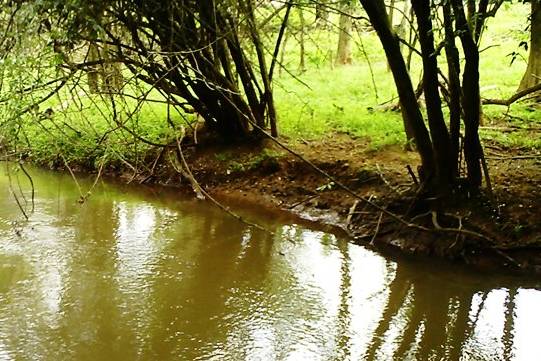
point(322, 14)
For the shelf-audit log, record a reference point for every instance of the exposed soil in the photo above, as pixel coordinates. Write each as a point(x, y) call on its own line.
point(510, 219)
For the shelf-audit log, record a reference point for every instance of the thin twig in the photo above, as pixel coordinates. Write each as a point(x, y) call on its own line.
point(412, 175)
point(351, 212)
point(212, 199)
point(377, 229)
point(31, 183)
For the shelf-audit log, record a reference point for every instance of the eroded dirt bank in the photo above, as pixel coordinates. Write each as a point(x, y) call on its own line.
point(509, 220)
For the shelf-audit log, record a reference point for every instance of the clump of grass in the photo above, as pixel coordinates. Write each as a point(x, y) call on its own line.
point(266, 157)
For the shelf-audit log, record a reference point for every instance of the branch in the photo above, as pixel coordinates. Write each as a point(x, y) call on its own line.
point(515, 97)
point(279, 40)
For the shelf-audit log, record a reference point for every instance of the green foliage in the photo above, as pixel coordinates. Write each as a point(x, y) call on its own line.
point(344, 99)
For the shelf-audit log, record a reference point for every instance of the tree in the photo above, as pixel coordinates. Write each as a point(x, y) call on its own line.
point(438, 145)
point(532, 76)
point(197, 53)
point(322, 14)
point(343, 52)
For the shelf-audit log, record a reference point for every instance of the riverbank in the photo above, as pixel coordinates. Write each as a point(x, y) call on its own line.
point(502, 230)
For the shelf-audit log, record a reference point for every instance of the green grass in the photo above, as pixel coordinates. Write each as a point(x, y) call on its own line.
point(348, 105)
point(344, 99)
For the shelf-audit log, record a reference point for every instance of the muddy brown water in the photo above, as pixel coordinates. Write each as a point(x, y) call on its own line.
point(143, 274)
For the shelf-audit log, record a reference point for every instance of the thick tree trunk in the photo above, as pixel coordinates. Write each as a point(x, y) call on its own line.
point(343, 52)
point(228, 116)
point(532, 76)
point(375, 10)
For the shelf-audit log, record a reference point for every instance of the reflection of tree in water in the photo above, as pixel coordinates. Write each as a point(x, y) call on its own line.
point(435, 318)
point(344, 313)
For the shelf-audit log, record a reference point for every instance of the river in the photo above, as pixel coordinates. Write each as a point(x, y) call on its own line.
point(141, 273)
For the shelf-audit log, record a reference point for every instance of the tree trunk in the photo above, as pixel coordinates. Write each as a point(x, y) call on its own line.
point(438, 129)
point(375, 10)
point(302, 61)
point(111, 72)
point(471, 103)
point(343, 53)
point(283, 52)
point(93, 73)
point(322, 15)
point(453, 69)
point(532, 76)
point(391, 22)
point(412, 39)
point(410, 134)
point(391, 13)
point(267, 100)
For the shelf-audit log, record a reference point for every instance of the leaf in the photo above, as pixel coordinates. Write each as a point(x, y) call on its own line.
point(324, 187)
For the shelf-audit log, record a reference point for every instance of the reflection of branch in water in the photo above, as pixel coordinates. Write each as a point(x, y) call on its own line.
point(31, 183)
point(343, 337)
point(14, 193)
point(509, 325)
point(430, 306)
point(462, 328)
point(398, 290)
point(484, 297)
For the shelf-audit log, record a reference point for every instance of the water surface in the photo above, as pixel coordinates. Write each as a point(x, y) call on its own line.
point(140, 273)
